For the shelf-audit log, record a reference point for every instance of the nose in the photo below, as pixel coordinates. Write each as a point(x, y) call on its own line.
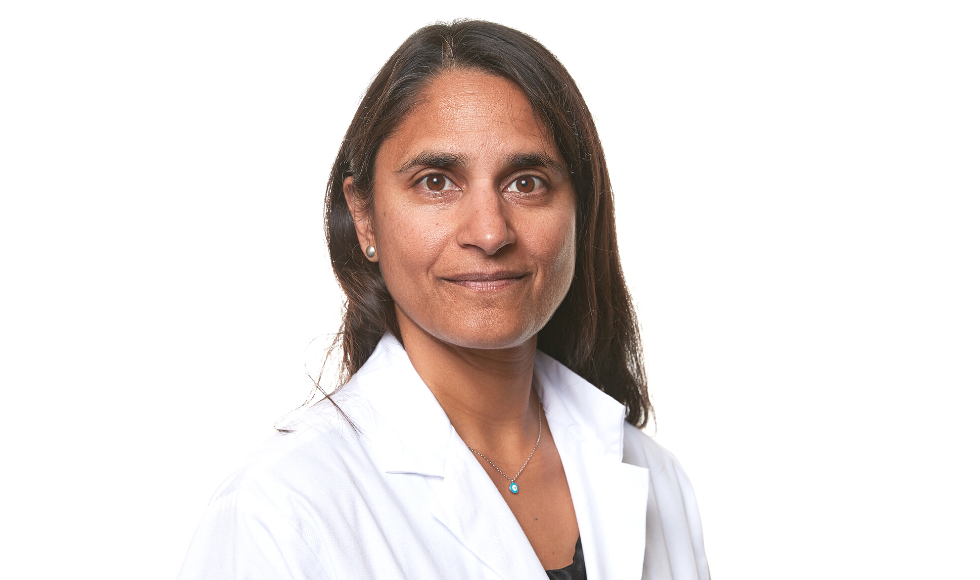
point(484, 221)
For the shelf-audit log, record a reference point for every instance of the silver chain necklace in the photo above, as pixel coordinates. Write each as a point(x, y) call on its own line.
point(513, 480)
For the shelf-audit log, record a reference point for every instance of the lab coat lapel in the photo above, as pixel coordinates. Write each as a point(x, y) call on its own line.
point(610, 497)
point(414, 436)
point(471, 508)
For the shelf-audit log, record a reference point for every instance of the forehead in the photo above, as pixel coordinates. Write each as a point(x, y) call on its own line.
point(471, 113)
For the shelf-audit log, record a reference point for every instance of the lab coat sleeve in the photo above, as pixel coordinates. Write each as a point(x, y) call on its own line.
point(242, 537)
point(674, 532)
point(692, 516)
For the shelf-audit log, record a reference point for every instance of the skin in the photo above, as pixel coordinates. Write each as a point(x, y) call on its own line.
point(474, 224)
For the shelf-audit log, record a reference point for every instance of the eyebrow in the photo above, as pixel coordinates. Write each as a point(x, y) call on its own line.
point(452, 160)
point(434, 159)
point(521, 160)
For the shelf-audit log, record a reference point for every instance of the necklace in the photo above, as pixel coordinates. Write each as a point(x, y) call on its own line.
point(513, 480)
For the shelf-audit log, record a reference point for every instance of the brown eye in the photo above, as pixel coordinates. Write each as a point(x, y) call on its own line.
point(435, 182)
point(525, 184)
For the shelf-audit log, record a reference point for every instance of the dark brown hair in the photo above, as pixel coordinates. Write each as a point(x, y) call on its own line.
point(594, 331)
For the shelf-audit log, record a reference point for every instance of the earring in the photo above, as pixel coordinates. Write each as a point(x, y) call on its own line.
point(370, 251)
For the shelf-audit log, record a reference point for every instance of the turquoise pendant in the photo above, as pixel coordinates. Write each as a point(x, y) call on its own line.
point(513, 487)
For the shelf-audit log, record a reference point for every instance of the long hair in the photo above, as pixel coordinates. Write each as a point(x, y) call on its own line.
point(594, 331)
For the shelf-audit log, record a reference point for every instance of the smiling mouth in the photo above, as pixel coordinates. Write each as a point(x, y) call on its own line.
point(486, 281)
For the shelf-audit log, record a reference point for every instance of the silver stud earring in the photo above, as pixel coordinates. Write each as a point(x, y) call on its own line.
point(370, 251)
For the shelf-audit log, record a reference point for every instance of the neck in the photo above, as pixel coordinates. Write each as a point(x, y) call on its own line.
point(486, 394)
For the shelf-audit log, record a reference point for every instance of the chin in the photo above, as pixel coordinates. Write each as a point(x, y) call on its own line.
point(486, 338)
point(475, 328)
point(484, 343)
point(482, 332)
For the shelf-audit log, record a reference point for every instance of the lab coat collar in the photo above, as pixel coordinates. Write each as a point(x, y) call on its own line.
point(610, 496)
point(410, 428)
point(413, 436)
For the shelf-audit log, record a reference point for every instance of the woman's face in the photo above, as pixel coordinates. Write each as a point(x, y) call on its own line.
point(474, 215)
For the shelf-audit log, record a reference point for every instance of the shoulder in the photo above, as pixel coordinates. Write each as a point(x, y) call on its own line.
point(673, 520)
point(309, 468)
point(323, 439)
point(640, 449)
point(665, 470)
point(266, 519)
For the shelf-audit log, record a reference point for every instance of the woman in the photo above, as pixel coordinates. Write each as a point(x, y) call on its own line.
point(488, 427)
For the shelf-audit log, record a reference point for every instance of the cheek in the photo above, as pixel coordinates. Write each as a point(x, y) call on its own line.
point(558, 253)
point(565, 260)
point(408, 244)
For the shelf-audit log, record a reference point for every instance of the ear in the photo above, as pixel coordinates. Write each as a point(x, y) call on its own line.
point(362, 219)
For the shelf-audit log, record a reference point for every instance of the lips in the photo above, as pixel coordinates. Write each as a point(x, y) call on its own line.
point(486, 280)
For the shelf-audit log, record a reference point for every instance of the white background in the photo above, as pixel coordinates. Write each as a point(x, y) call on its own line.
point(797, 193)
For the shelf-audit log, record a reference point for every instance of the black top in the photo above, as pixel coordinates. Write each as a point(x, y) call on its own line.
point(575, 570)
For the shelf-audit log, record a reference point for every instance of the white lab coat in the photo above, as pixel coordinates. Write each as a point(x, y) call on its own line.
point(403, 497)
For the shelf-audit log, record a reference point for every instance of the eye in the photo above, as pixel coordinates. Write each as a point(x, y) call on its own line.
point(525, 184)
point(437, 182)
